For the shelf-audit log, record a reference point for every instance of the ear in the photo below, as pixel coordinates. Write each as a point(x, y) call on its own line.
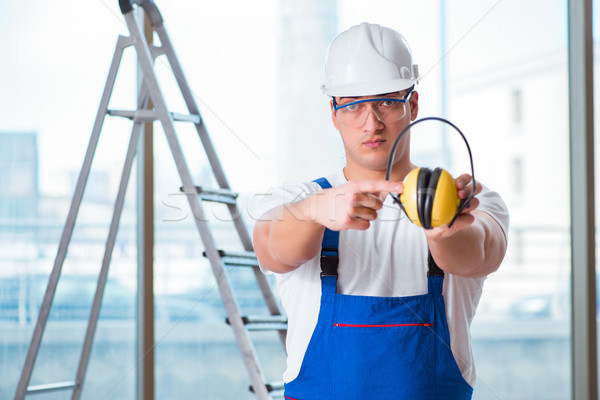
point(333, 116)
point(414, 105)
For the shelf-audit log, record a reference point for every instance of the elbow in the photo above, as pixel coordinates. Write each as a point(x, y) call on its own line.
point(266, 251)
point(480, 256)
point(493, 246)
point(495, 253)
point(491, 254)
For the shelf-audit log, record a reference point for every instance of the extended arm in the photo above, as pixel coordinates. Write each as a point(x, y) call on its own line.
point(286, 237)
point(291, 234)
point(474, 246)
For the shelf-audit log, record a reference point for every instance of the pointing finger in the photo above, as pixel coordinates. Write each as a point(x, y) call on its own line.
point(372, 186)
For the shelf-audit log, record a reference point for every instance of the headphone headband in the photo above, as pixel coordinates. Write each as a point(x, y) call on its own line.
point(465, 202)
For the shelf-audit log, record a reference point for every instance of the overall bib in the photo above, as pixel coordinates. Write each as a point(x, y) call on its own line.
point(379, 348)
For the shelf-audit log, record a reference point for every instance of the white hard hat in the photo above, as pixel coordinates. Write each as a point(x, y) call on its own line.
point(366, 60)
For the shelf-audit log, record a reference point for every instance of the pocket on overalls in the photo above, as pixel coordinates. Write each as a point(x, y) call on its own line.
point(384, 361)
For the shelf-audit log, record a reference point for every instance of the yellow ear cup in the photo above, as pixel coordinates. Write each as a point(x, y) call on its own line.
point(408, 197)
point(446, 201)
point(413, 192)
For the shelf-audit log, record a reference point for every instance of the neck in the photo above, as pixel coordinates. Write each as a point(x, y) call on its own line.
point(399, 171)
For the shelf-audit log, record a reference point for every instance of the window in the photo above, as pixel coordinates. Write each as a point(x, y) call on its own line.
point(524, 311)
point(517, 172)
point(271, 55)
point(517, 106)
point(52, 84)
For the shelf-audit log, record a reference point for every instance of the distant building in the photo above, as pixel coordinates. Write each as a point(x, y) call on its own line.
point(509, 94)
point(19, 194)
point(303, 111)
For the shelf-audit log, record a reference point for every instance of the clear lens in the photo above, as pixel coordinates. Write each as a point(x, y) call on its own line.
point(385, 109)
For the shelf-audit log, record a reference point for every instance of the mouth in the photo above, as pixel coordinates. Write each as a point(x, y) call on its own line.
point(373, 143)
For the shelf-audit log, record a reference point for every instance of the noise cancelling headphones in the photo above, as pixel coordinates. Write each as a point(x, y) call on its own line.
point(430, 197)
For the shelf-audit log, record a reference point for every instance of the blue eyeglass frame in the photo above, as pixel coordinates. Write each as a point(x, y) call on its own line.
point(404, 100)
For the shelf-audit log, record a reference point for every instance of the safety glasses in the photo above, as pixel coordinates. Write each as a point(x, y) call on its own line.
point(385, 109)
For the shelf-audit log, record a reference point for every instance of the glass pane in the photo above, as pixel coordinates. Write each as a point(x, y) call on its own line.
point(476, 77)
point(596, 35)
point(235, 82)
point(507, 78)
point(255, 73)
point(56, 58)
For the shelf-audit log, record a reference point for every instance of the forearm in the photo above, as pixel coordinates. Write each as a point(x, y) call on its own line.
point(288, 236)
point(474, 251)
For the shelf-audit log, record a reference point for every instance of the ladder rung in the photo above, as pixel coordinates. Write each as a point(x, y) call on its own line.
point(247, 259)
point(274, 389)
point(277, 394)
point(51, 387)
point(186, 117)
point(225, 196)
point(264, 323)
point(150, 115)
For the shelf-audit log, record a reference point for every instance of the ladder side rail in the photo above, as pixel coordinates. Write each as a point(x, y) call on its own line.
point(271, 303)
point(249, 355)
point(264, 286)
point(207, 144)
point(215, 163)
point(151, 11)
point(65, 239)
point(192, 106)
point(108, 250)
point(240, 333)
point(261, 279)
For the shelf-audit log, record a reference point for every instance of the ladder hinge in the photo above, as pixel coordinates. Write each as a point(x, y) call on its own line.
point(224, 196)
point(247, 259)
point(143, 115)
point(273, 388)
point(263, 323)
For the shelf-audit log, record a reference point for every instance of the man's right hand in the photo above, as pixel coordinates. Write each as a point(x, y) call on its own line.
point(290, 235)
point(352, 205)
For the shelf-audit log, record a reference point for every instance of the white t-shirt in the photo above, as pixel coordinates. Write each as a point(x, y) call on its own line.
point(388, 259)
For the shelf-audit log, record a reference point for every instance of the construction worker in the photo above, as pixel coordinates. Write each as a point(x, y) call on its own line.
point(371, 315)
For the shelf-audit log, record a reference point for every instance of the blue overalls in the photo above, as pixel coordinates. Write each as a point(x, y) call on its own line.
point(378, 348)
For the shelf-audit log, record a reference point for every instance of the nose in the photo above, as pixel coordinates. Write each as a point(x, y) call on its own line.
point(373, 122)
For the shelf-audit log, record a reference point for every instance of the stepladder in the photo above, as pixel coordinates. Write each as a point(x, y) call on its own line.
point(152, 107)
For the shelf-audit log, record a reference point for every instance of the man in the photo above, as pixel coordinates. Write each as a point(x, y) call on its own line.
point(369, 316)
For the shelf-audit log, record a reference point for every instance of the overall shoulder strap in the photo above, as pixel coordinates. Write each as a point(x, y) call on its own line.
point(435, 276)
point(329, 245)
point(433, 269)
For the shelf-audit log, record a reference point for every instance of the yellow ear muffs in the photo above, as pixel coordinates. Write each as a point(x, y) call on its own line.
point(426, 195)
point(446, 202)
point(430, 198)
point(408, 197)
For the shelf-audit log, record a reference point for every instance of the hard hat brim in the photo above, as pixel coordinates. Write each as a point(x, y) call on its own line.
point(369, 88)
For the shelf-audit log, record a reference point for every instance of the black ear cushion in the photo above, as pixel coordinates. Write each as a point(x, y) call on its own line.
point(430, 197)
point(422, 185)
